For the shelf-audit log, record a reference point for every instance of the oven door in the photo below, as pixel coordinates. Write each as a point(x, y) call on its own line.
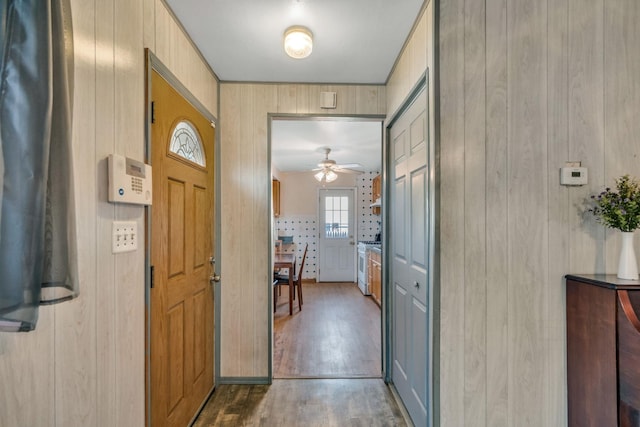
point(362, 270)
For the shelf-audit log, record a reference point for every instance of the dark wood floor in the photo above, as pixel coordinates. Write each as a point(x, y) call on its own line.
point(336, 335)
point(308, 403)
point(327, 361)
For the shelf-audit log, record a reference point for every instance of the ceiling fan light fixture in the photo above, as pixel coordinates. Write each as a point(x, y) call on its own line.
point(327, 174)
point(298, 42)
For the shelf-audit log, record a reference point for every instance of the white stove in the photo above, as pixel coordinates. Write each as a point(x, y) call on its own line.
point(363, 276)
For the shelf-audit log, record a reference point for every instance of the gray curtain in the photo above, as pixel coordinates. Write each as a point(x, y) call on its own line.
point(37, 217)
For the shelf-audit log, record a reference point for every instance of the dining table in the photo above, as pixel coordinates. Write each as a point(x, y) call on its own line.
point(288, 261)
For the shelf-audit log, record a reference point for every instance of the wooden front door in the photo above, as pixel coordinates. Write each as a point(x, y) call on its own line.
point(181, 300)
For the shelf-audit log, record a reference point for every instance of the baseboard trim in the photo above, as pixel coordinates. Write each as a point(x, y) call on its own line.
point(244, 380)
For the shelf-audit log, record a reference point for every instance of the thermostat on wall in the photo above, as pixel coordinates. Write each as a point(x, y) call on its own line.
point(129, 181)
point(573, 176)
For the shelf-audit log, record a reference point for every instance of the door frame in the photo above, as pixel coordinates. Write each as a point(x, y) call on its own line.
point(269, 238)
point(433, 275)
point(153, 63)
point(354, 215)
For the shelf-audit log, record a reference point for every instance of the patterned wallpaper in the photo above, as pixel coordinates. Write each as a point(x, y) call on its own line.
point(368, 223)
point(304, 228)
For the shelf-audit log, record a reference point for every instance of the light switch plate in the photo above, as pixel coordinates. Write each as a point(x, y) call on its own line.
point(124, 236)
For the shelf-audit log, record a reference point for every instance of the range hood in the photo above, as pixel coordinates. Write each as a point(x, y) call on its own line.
point(376, 204)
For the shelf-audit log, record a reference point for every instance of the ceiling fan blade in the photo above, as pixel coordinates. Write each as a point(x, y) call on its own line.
point(328, 164)
point(341, 170)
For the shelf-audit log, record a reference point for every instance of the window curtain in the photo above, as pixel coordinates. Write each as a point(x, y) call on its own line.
point(38, 252)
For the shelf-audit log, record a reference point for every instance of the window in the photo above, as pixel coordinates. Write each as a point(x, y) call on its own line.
point(336, 217)
point(186, 143)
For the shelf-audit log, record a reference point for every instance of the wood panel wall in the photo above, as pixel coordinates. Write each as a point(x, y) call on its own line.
point(524, 87)
point(412, 63)
point(84, 364)
point(415, 61)
point(246, 179)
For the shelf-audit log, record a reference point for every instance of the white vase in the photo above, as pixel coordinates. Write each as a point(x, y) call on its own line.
point(627, 265)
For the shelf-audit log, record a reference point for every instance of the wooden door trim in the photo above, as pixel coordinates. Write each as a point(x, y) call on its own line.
point(153, 63)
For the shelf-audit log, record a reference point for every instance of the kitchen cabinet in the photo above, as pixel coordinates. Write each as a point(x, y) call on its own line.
point(375, 275)
point(603, 351)
point(275, 192)
point(376, 193)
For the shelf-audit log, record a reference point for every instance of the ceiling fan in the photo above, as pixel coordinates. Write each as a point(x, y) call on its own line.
point(328, 168)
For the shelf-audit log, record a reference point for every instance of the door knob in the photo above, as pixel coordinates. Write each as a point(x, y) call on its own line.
point(214, 279)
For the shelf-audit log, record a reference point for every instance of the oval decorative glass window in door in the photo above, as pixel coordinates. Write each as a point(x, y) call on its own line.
point(186, 143)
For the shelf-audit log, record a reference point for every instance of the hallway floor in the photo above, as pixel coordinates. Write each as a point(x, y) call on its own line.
point(326, 368)
point(303, 402)
point(337, 334)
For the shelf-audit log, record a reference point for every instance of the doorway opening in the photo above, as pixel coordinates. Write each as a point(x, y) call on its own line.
point(323, 170)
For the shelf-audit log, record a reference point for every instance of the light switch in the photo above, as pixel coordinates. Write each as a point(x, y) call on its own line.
point(124, 236)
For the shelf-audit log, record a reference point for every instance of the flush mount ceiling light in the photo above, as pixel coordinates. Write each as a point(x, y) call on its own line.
point(298, 42)
point(327, 174)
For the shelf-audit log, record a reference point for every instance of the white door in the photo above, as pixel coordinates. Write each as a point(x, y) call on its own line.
point(337, 245)
point(408, 205)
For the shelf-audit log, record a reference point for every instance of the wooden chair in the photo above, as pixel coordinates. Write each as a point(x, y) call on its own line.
point(281, 279)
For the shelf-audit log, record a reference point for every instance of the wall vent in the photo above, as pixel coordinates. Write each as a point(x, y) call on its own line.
point(328, 100)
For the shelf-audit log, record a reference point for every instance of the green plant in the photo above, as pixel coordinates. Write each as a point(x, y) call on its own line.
point(619, 208)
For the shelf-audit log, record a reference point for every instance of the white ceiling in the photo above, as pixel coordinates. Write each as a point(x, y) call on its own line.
point(298, 145)
point(355, 41)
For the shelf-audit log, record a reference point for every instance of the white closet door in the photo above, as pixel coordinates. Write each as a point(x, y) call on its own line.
point(409, 178)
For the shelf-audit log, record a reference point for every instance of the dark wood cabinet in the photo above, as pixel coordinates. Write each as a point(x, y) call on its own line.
point(603, 351)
